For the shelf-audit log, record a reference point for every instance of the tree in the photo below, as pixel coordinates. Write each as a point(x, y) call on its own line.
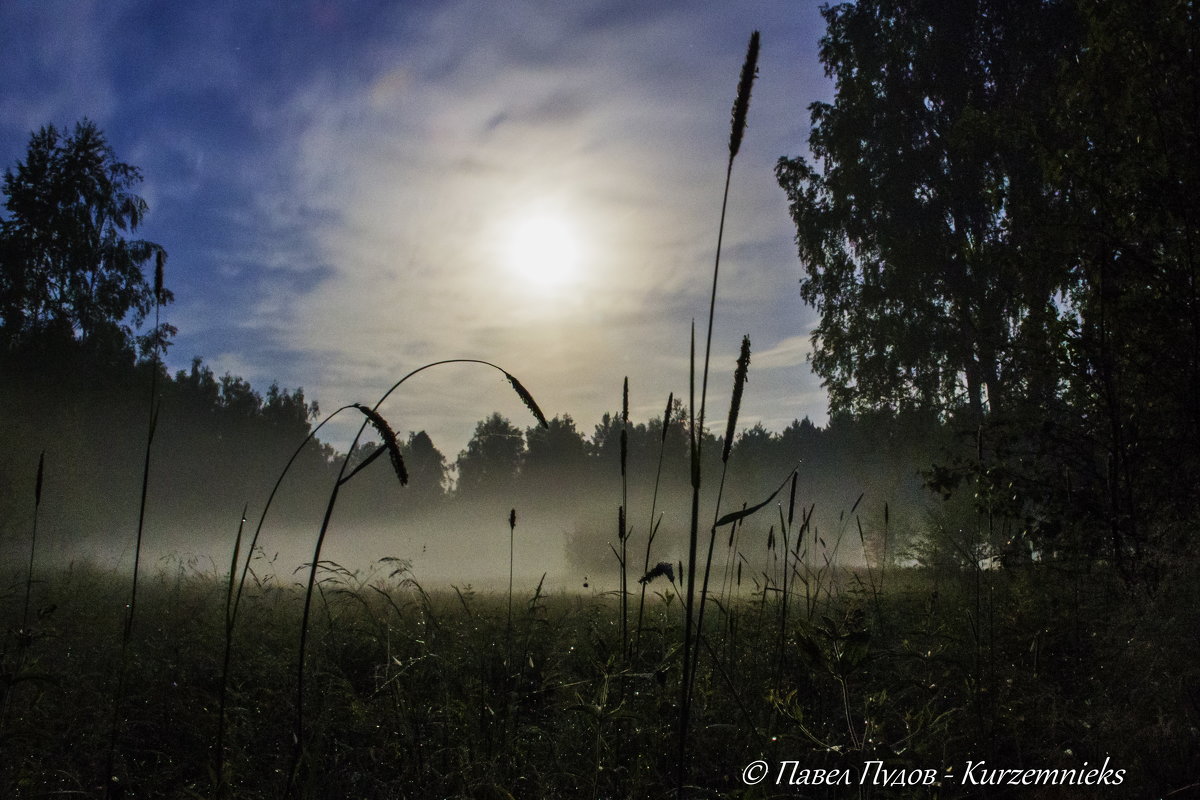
point(66, 264)
point(908, 232)
point(492, 459)
point(1004, 226)
point(426, 470)
point(754, 463)
point(288, 413)
point(555, 458)
point(1126, 209)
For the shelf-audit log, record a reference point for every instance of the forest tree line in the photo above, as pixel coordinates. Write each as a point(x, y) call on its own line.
point(220, 445)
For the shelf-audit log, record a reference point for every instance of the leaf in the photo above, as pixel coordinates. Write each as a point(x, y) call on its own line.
point(854, 650)
point(811, 653)
point(745, 512)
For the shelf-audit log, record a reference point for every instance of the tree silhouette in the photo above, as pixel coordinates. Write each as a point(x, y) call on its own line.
point(492, 460)
point(908, 230)
point(67, 267)
point(426, 471)
point(999, 225)
point(555, 459)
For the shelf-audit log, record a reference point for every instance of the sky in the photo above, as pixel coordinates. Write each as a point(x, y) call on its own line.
point(350, 190)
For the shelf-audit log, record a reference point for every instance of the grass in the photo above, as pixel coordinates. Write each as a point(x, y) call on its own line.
point(111, 779)
point(741, 106)
point(413, 694)
point(300, 748)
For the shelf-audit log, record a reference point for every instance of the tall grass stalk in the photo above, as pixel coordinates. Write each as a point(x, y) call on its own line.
point(24, 634)
point(690, 581)
point(739, 383)
point(512, 534)
point(391, 446)
point(732, 567)
point(390, 443)
point(654, 523)
point(37, 504)
point(741, 106)
point(785, 528)
point(223, 693)
point(732, 573)
point(110, 780)
point(623, 532)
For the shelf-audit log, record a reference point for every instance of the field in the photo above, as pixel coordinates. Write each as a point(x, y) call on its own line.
point(432, 692)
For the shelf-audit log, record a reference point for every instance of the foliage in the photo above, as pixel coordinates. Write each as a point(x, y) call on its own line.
point(908, 232)
point(67, 268)
point(555, 456)
point(492, 458)
point(217, 444)
point(376, 496)
point(427, 467)
point(998, 224)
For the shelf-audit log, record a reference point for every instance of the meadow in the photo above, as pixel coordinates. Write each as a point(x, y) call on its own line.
point(416, 692)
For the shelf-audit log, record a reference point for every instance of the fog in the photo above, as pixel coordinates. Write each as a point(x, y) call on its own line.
point(219, 447)
point(570, 538)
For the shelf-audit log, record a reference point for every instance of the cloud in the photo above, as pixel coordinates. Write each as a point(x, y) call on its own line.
point(426, 165)
point(334, 186)
point(58, 52)
point(790, 352)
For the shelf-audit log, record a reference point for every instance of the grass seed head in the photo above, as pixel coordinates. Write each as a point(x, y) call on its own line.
point(624, 425)
point(742, 104)
point(389, 441)
point(792, 502)
point(527, 399)
point(667, 415)
point(661, 568)
point(735, 403)
point(37, 488)
point(160, 258)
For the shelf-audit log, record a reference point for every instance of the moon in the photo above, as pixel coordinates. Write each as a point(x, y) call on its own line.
point(544, 250)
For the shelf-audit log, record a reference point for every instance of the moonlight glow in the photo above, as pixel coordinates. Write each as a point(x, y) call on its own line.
point(544, 250)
